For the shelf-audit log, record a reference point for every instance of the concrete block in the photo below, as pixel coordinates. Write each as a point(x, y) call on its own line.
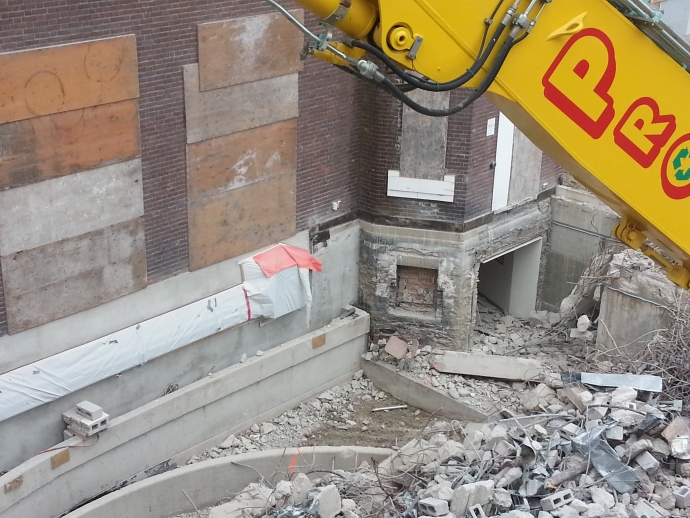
point(237, 108)
point(468, 495)
point(491, 366)
point(71, 142)
point(248, 49)
point(682, 496)
point(615, 433)
point(557, 500)
point(59, 279)
point(61, 208)
point(433, 507)
point(68, 77)
point(328, 503)
point(647, 462)
point(236, 221)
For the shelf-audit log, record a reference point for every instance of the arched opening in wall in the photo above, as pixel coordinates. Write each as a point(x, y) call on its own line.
point(509, 280)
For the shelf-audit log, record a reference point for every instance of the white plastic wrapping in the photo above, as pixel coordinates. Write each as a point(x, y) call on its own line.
point(51, 378)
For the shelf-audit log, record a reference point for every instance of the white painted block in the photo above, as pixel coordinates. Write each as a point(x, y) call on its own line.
point(418, 189)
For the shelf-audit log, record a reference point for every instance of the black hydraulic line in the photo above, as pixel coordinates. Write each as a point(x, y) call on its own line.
point(422, 84)
point(476, 94)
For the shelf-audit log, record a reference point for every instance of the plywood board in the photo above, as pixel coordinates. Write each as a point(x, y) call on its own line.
point(247, 49)
point(60, 279)
point(70, 142)
point(237, 108)
point(67, 77)
point(56, 209)
point(241, 220)
point(241, 159)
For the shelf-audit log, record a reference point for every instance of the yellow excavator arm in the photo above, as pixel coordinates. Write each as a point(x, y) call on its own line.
point(600, 85)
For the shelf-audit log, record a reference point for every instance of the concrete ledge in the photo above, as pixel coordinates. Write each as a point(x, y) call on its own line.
point(207, 482)
point(212, 408)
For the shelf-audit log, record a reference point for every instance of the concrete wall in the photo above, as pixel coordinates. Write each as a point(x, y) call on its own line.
point(174, 427)
point(581, 226)
point(455, 255)
point(335, 287)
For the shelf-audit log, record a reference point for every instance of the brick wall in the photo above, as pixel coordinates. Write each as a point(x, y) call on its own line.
point(550, 173)
point(417, 289)
point(167, 39)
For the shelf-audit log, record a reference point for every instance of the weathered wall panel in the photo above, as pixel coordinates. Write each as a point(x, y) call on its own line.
point(60, 279)
point(67, 77)
point(56, 145)
point(56, 209)
point(241, 159)
point(236, 108)
point(247, 49)
point(241, 220)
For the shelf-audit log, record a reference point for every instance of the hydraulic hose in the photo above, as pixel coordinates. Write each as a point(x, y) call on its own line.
point(476, 94)
point(479, 61)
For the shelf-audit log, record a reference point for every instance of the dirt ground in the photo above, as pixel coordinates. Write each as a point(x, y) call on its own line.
point(383, 429)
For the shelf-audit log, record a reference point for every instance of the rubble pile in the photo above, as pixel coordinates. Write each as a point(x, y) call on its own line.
point(605, 454)
point(333, 408)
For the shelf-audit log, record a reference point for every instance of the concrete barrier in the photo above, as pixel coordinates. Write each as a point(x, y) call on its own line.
point(183, 423)
point(207, 482)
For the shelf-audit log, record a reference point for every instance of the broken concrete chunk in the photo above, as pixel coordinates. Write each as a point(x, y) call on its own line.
point(647, 462)
point(578, 396)
point(328, 503)
point(644, 510)
point(450, 449)
point(300, 487)
point(467, 495)
point(680, 447)
point(583, 323)
point(601, 496)
point(623, 395)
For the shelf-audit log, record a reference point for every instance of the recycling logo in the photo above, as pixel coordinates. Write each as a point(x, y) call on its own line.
point(675, 172)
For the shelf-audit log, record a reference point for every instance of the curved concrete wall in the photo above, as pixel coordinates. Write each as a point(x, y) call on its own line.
point(207, 482)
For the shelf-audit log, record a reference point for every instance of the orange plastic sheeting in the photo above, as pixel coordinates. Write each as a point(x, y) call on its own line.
point(67, 77)
point(282, 256)
point(71, 142)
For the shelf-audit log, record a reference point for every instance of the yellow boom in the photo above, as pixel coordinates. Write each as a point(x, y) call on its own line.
point(586, 85)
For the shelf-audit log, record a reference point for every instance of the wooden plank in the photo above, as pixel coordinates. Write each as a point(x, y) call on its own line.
point(237, 108)
point(67, 77)
point(60, 279)
point(233, 161)
point(241, 220)
point(404, 387)
point(247, 49)
point(46, 212)
point(64, 143)
point(488, 366)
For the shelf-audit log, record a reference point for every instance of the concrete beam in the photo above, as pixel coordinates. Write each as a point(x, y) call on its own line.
point(207, 482)
point(227, 402)
point(488, 366)
point(404, 387)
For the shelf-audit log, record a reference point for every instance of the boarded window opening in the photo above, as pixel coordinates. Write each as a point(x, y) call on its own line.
point(417, 289)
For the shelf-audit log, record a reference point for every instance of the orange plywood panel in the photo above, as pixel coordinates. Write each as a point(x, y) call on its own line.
point(70, 142)
point(233, 161)
point(67, 77)
point(247, 49)
point(241, 220)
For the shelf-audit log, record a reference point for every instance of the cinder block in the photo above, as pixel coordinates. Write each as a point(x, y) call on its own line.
point(556, 500)
point(476, 511)
point(682, 497)
point(433, 507)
